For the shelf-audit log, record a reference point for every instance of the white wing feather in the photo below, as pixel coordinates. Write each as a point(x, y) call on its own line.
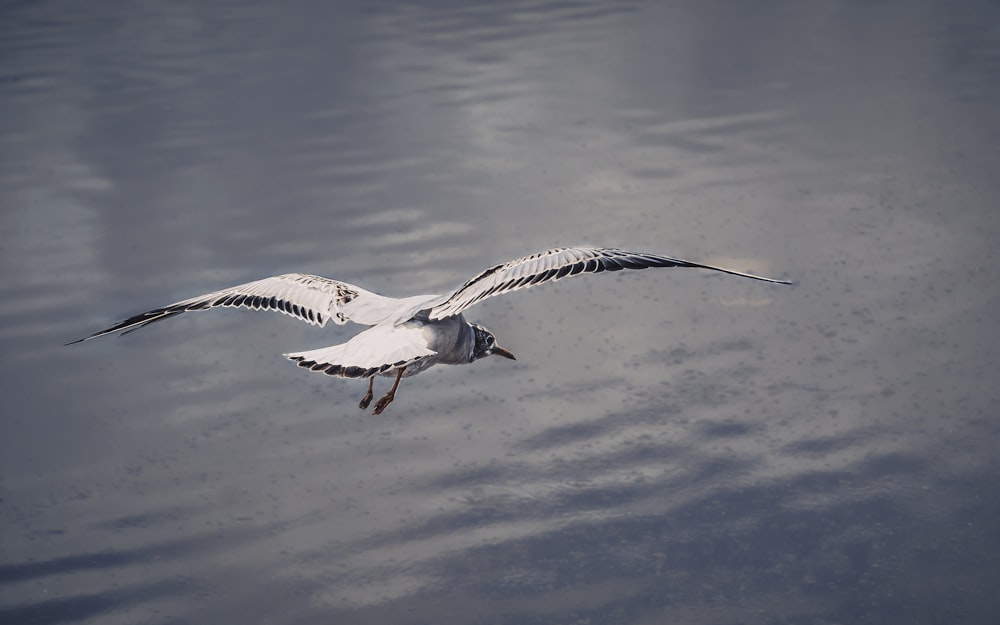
point(313, 299)
point(556, 264)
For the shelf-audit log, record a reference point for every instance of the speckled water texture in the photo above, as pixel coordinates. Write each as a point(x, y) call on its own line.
point(671, 446)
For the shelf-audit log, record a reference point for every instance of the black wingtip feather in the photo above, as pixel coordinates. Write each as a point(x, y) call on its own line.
point(132, 323)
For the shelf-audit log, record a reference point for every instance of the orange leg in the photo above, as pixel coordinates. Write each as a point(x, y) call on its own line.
point(386, 399)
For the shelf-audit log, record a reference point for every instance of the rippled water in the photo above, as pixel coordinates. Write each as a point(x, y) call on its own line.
point(669, 447)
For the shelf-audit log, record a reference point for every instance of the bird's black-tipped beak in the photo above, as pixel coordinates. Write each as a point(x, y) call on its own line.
point(499, 351)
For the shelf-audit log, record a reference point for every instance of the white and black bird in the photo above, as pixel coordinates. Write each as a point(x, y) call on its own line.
point(411, 334)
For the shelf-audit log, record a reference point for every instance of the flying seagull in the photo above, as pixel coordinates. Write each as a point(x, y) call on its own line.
point(411, 334)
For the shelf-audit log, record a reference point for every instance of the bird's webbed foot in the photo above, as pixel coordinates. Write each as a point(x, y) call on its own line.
point(386, 399)
point(383, 401)
point(367, 399)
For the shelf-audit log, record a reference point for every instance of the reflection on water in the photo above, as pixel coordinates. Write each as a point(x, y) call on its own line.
point(669, 447)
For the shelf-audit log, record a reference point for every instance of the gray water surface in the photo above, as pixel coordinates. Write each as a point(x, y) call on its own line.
point(671, 446)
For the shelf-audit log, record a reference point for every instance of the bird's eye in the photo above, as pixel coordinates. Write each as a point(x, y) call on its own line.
point(490, 340)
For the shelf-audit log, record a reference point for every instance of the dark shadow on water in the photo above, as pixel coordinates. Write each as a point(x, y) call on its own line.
point(713, 430)
point(729, 547)
point(12, 573)
point(574, 535)
point(86, 606)
point(700, 537)
point(827, 444)
point(570, 433)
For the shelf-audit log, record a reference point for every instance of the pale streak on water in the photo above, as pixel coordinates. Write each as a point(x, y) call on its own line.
point(670, 446)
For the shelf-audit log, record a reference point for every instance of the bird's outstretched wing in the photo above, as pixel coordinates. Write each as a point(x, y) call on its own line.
point(312, 299)
point(556, 264)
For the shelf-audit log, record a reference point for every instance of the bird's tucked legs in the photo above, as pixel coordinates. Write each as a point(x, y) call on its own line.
point(386, 399)
point(367, 399)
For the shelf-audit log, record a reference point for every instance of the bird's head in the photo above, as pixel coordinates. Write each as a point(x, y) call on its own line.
point(486, 344)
